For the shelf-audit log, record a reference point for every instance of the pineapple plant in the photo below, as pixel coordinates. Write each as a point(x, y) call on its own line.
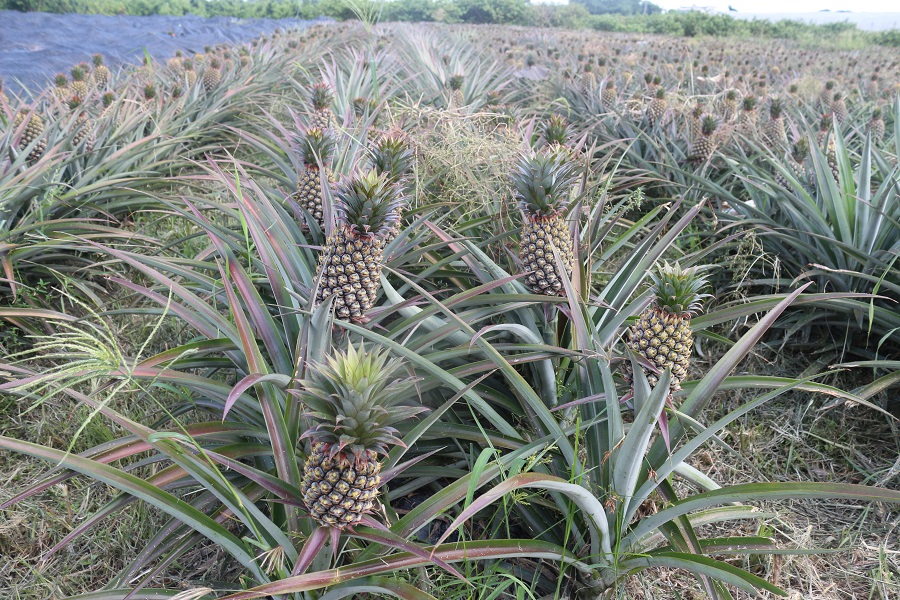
point(34, 129)
point(704, 144)
point(61, 87)
point(542, 182)
point(696, 120)
point(79, 85)
point(393, 157)
point(351, 262)
point(353, 401)
point(457, 98)
point(100, 75)
point(175, 63)
point(657, 108)
point(774, 131)
point(875, 125)
point(212, 76)
point(825, 141)
point(826, 96)
point(321, 97)
point(315, 148)
point(796, 162)
point(150, 101)
point(662, 334)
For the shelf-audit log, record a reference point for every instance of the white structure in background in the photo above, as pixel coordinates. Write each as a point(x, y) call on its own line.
point(694, 8)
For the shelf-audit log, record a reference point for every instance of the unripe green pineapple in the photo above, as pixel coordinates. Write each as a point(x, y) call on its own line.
point(351, 262)
point(731, 104)
point(825, 141)
point(212, 76)
point(796, 161)
point(657, 107)
point(321, 96)
point(826, 97)
point(353, 401)
point(662, 333)
point(316, 148)
point(542, 182)
point(100, 75)
point(190, 75)
point(83, 127)
point(393, 157)
point(704, 145)
point(34, 129)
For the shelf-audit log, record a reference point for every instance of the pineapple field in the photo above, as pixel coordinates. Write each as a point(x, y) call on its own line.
point(429, 311)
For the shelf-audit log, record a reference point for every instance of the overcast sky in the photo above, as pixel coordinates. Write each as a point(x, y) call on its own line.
point(795, 6)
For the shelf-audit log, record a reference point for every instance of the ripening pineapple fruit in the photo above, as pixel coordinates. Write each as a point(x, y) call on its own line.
point(662, 333)
point(748, 114)
point(774, 131)
point(704, 144)
point(556, 131)
point(353, 401)
point(316, 148)
point(100, 74)
point(825, 141)
point(79, 81)
point(696, 120)
point(150, 101)
point(393, 157)
point(34, 129)
point(321, 96)
point(609, 95)
point(61, 87)
point(351, 262)
point(542, 182)
point(174, 63)
point(212, 75)
point(875, 125)
point(456, 94)
point(657, 107)
point(839, 107)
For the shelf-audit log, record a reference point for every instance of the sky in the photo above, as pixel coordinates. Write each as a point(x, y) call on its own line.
point(794, 6)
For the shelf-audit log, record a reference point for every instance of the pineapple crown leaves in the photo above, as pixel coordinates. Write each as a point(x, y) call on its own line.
point(556, 130)
point(368, 204)
point(876, 113)
point(708, 125)
point(456, 82)
point(78, 73)
point(316, 146)
point(60, 80)
point(677, 290)
point(748, 103)
point(542, 181)
point(393, 156)
point(320, 95)
point(661, 93)
point(354, 401)
point(776, 108)
point(107, 98)
point(98, 59)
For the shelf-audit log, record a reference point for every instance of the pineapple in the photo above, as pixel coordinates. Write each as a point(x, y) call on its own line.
point(748, 114)
point(696, 121)
point(542, 183)
point(662, 333)
point(350, 265)
point(83, 126)
point(457, 98)
point(321, 96)
point(393, 157)
point(826, 96)
point(190, 75)
point(150, 101)
point(212, 75)
point(175, 63)
point(316, 148)
point(556, 131)
point(34, 129)
point(825, 141)
point(61, 87)
point(100, 75)
point(79, 85)
point(795, 161)
point(609, 95)
point(657, 107)
point(875, 126)
point(704, 144)
point(774, 131)
point(352, 402)
point(839, 108)
point(731, 104)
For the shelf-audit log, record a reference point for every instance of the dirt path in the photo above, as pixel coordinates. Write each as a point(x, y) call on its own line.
point(35, 46)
